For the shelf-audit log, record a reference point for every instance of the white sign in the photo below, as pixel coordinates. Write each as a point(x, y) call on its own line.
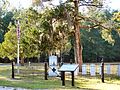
point(92, 70)
point(119, 70)
point(108, 69)
point(68, 67)
point(84, 69)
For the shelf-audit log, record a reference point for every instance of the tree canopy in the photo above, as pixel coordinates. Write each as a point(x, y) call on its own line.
point(52, 30)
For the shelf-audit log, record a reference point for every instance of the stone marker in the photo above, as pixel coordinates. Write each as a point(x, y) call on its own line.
point(119, 70)
point(92, 69)
point(84, 69)
point(108, 69)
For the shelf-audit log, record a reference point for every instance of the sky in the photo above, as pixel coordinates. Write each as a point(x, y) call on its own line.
point(113, 4)
point(18, 3)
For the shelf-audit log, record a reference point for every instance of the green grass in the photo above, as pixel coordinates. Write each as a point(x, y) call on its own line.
point(33, 78)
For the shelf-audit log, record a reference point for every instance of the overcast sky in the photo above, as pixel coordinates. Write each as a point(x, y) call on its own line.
point(115, 4)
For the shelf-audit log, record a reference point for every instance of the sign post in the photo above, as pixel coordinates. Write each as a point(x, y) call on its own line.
point(72, 72)
point(13, 75)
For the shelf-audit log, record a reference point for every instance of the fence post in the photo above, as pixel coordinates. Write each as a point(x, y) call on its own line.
point(102, 70)
point(46, 71)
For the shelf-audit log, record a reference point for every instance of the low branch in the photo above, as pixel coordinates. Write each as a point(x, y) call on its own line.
point(86, 27)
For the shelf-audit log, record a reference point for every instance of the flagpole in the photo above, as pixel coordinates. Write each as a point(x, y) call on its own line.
point(18, 45)
point(18, 57)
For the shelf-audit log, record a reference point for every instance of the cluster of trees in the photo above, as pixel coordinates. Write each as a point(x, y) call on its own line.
point(105, 42)
point(52, 31)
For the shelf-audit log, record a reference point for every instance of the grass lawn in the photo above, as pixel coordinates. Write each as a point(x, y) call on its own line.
point(33, 78)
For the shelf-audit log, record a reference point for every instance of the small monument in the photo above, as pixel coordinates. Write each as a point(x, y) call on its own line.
point(53, 69)
point(92, 70)
point(108, 69)
point(84, 72)
point(119, 70)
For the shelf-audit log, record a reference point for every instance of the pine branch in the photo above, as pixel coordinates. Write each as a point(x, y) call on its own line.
point(86, 27)
point(98, 23)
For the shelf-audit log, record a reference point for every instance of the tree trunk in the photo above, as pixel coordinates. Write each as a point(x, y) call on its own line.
point(77, 37)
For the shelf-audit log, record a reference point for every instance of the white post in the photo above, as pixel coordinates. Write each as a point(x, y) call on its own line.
point(18, 36)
